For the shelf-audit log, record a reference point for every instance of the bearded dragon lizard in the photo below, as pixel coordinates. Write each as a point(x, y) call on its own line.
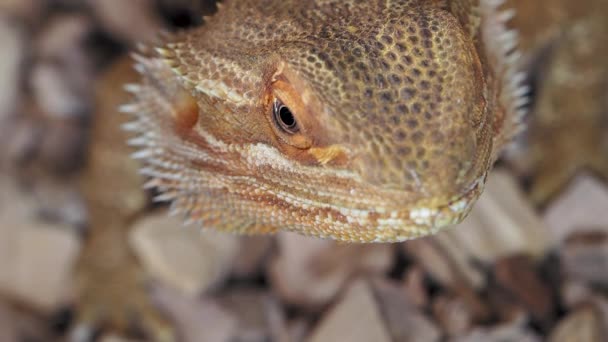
point(357, 121)
point(360, 121)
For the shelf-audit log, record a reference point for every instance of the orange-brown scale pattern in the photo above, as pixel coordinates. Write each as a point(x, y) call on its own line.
point(396, 104)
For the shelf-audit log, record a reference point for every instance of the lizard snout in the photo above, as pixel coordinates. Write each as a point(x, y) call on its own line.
point(436, 163)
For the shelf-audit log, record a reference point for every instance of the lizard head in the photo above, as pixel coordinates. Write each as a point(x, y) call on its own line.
point(341, 120)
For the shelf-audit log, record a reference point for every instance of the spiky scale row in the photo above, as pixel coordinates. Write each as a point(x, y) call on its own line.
point(503, 43)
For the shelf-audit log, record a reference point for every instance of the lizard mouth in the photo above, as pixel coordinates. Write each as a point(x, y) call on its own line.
point(461, 205)
point(430, 219)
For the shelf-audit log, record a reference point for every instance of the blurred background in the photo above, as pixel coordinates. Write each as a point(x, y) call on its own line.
point(529, 264)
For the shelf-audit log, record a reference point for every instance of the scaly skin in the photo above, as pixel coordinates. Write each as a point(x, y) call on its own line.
point(569, 120)
point(401, 108)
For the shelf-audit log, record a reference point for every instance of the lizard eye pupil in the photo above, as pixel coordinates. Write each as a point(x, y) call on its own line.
point(285, 118)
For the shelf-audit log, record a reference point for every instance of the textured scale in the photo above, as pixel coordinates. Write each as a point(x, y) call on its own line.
point(402, 107)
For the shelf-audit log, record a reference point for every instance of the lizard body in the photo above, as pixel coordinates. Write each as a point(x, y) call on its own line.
point(565, 45)
point(203, 104)
point(351, 120)
point(110, 282)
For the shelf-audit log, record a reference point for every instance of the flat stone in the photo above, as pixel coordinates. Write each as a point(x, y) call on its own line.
point(581, 325)
point(8, 326)
point(405, 321)
point(185, 258)
point(131, 21)
point(12, 40)
point(581, 207)
point(438, 261)
point(196, 319)
point(519, 276)
point(584, 257)
point(310, 272)
point(453, 315)
point(503, 222)
point(355, 317)
point(253, 253)
point(259, 315)
point(62, 75)
point(511, 331)
point(34, 253)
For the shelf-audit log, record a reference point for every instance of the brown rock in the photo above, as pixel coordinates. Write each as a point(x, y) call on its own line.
point(584, 257)
point(404, 320)
point(356, 317)
point(185, 258)
point(253, 252)
point(61, 40)
point(63, 145)
point(20, 139)
point(20, 324)
point(12, 40)
point(506, 309)
point(582, 207)
point(58, 96)
point(28, 11)
point(414, 287)
point(278, 327)
point(33, 253)
point(453, 315)
point(297, 330)
point(435, 258)
point(517, 275)
point(574, 293)
point(197, 320)
point(259, 315)
point(581, 325)
point(309, 272)
point(503, 222)
point(63, 74)
point(116, 338)
point(132, 21)
point(512, 331)
point(8, 326)
point(60, 201)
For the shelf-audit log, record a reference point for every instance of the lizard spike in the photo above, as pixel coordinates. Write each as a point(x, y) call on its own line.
point(504, 55)
point(495, 3)
point(139, 58)
point(132, 88)
point(164, 52)
point(174, 210)
point(140, 68)
point(133, 126)
point(165, 197)
point(143, 154)
point(522, 90)
point(129, 108)
point(506, 15)
point(141, 47)
point(151, 184)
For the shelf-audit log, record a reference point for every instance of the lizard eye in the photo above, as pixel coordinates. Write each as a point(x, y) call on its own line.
point(284, 118)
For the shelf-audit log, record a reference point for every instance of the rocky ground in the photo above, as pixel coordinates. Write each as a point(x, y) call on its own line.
point(513, 271)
